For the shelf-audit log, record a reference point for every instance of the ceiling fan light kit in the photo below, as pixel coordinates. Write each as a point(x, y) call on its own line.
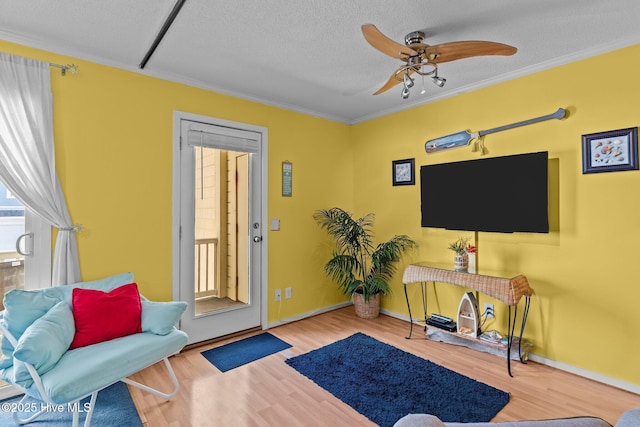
point(423, 59)
point(438, 81)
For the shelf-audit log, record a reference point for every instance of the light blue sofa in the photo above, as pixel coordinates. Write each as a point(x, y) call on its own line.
point(37, 330)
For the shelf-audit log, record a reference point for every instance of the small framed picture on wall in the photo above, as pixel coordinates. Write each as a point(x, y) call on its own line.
point(614, 150)
point(403, 172)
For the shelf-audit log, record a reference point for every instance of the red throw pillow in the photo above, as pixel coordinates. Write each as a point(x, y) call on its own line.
point(102, 316)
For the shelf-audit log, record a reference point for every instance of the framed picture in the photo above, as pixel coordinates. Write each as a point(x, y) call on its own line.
point(403, 172)
point(614, 150)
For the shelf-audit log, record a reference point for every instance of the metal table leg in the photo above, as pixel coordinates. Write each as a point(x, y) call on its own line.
point(511, 330)
point(527, 303)
point(424, 307)
point(409, 308)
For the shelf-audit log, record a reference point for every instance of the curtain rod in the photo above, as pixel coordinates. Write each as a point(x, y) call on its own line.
point(72, 68)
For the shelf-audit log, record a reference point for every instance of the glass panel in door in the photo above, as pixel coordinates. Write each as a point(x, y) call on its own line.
point(220, 257)
point(12, 226)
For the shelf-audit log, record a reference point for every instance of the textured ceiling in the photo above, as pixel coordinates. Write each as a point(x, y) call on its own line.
point(310, 55)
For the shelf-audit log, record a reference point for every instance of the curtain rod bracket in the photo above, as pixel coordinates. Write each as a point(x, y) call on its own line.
point(72, 68)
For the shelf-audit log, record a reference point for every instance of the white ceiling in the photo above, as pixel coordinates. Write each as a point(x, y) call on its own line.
point(310, 55)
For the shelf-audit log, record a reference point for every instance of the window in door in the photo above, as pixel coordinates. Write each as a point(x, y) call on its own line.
point(221, 178)
point(12, 226)
point(25, 246)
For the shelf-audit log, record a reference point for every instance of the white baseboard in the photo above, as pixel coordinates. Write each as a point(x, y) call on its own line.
point(614, 382)
point(394, 314)
point(307, 314)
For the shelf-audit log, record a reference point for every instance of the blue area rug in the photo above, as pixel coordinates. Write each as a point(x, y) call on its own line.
point(114, 408)
point(384, 383)
point(238, 353)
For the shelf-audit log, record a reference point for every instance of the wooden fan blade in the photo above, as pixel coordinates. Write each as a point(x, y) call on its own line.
point(391, 82)
point(452, 51)
point(384, 44)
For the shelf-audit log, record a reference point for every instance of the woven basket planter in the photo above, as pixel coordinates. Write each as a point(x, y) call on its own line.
point(367, 309)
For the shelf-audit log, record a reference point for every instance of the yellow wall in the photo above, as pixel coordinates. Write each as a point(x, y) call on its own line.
point(113, 132)
point(584, 273)
point(114, 146)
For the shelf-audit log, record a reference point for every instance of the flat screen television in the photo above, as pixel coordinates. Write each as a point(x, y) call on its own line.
point(500, 194)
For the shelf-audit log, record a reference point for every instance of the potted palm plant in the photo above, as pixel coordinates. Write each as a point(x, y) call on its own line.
point(361, 270)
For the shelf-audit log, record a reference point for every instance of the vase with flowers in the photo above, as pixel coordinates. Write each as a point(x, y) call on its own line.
point(461, 260)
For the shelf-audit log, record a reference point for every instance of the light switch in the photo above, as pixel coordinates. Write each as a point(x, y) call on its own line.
point(275, 224)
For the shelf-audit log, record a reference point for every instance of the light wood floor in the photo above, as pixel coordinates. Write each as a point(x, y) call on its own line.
point(268, 392)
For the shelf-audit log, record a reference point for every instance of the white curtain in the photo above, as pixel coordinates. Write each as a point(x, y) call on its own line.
point(27, 158)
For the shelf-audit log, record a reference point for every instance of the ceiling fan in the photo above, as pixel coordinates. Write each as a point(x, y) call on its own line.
point(423, 59)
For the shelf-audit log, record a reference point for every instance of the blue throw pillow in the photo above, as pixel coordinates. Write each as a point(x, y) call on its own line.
point(44, 342)
point(160, 317)
point(22, 308)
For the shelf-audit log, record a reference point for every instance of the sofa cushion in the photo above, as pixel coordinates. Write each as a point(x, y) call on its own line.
point(160, 317)
point(44, 342)
point(101, 316)
point(86, 369)
point(22, 307)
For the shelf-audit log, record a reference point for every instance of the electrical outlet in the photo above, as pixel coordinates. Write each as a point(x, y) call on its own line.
point(488, 310)
point(287, 292)
point(278, 295)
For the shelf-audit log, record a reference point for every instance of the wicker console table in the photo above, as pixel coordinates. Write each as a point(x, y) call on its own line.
point(504, 287)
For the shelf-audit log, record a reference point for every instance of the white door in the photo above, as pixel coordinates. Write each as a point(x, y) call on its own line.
point(25, 246)
point(219, 252)
point(25, 254)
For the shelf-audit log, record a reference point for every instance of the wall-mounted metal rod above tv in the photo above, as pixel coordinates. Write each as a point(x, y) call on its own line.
point(500, 194)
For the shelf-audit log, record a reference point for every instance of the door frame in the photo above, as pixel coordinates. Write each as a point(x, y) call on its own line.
point(178, 116)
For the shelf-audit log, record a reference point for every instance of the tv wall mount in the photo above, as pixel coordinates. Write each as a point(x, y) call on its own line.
point(463, 138)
